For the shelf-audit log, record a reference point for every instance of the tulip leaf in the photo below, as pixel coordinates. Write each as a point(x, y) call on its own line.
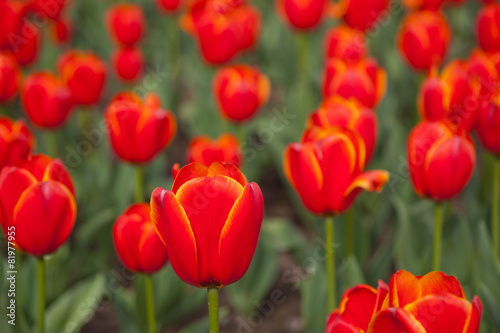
point(491, 306)
point(313, 292)
point(349, 274)
point(284, 236)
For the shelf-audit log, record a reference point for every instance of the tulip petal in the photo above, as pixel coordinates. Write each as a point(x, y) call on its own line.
point(335, 324)
point(395, 320)
point(357, 305)
point(229, 170)
point(404, 288)
point(474, 319)
point(371, 181)
point(188, 172)
point(439, 283)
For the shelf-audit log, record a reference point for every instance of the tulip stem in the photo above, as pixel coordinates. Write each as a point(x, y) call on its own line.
point(350, 232)
point(51, 143)
point(438, 232)
point(40, 269)
point(213, 310)
point(495, 214)
point(139, 183)
point(330, 262)
point(150, 304)
point(303, 57)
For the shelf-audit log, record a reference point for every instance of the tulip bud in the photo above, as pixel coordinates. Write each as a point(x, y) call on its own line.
point(488, 27)
point(483, 75)
point(10, 77)
point(136, 242)
point(211, 222)
point(128, 64)
point(25, 44)
point(240, 91)
point(488, 125)
point(48, 8)
point(300, 14)
point(16, 141)
point(46, 101)
point(139, 129)
point(12, 13)
point(225, 148)
point(126, 23)
point(346, 43)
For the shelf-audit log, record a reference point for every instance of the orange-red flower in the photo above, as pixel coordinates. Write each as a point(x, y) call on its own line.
point(364, 80)
point(37, 198)
point(423, 39)
point(48, 8)
point(168, 6)
point(128, 63)
point(301, 14)
point(345, 43)
point(84, 74)
point(16, 141)
point(9, 77)
point(136, 241)
point(488, 27)
point(126, 23)
point(326, 169)
point(488, 125)
point(210, 221)
point(337, 111)
point(139, 129)
point(25, 43)
point(226, 148)
point(441, 160)
point(240, 91)
point(46, 101)
point(484, 74)
point(360, 14)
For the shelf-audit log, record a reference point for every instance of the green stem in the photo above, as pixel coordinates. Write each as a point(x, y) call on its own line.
point(51, 143)
point(438, 231)
point(40, 269)
point(150, 305)
point(303, 57)
point(330, 262)
point(495, 214)
point(350, 232)
point(84, 120)
point(213, 309)
point(139, 183)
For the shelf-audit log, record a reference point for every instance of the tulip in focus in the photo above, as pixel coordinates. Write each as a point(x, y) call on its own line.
point(488, 27)
point(16, 141)
point(240, 91)
point(346, 43)
point(126, 23)
point(10, 77)
point(128, 63)
point(225, 148)
point(301, 14)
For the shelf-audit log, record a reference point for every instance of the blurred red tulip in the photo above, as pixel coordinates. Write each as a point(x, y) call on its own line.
point(46, 101)
point(337, 111)
point(488, 125)
point(16, 141)
point(139, 129)
point(364, 80)
point(62, 30)
point(126, 23)
point(37, 198)
point(25, 45)
point(361, 14)
point(11, 19)
point(488, 27)
point(301, 14)
point(128, 63)
point(441, 161)
point(346, 43)
point(211, 222)
point(48, 8)
point(483, 75)
point(136, 241)
point(10, 77)
point(423, 39)
point(326, 169)
point(168, 6)
point(240, 91)
point(226, 148)
point(84, 74)
point(423, 4)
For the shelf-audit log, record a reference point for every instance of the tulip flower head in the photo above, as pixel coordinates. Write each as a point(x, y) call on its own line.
point(139, 129)
point(360, 14)
point(62, 30)
point(47, 8)
point(488, 125)
point(346, 43)
point(226, 148)
point(301, 14)
point(169, 6)
point(126, 23)
point(136, 242)
point(26, 52)
point(210, 221)
point(38, 199)
point(11, 15)
point(128, 63)
point(488, 27)
point(10, 77)
point(16, 141)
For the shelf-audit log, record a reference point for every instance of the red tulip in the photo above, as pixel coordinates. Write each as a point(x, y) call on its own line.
point(168, 6)
point(37, 198)
point(300, 14)
point(126, 23)
point(488, 27)
point(423, 4)
point(364, 81)
point(225, 148)
point(62, 30)
point(488, 125)
point(346, 43)
point(9, 77)
point(11, 18)
point(84, 74)
point(128, 63)
point(483, 75)
point(25, 45)
point(48, 8)
point(361, 14)
point(350, 114)
point(240, 91)
point(441, 161)
point(136, 242)
point(16, 141)
point(46, 101)
point(211, 222)
point(326, 169)
point(423, 39)
point(139, 129)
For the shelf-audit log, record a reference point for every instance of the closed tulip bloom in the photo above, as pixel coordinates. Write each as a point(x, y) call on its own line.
point(37, 198)
point(441, 161)
point(211, 222)
point(423, 39)
point(47, 8)
point(46, 101)
point(139, 129)
point(16, 141)
point(136, 242)
point(364, 81)
point(488, 27)
point(360, 14)
point(84, 74)
point(488, 125)
point(346, 43)
point(168, 6)
point(483, 74)
point(126, 23)
point(128, 64)
point(326, 169)
point(300, 14)
point(12, 13)
point(10, 77)
point(27, 48)
point(240, 91)
point(226, 148)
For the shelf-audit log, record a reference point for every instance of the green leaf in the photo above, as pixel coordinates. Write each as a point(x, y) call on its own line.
point(491, 306)
point(349, 274)
point(314, 301)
